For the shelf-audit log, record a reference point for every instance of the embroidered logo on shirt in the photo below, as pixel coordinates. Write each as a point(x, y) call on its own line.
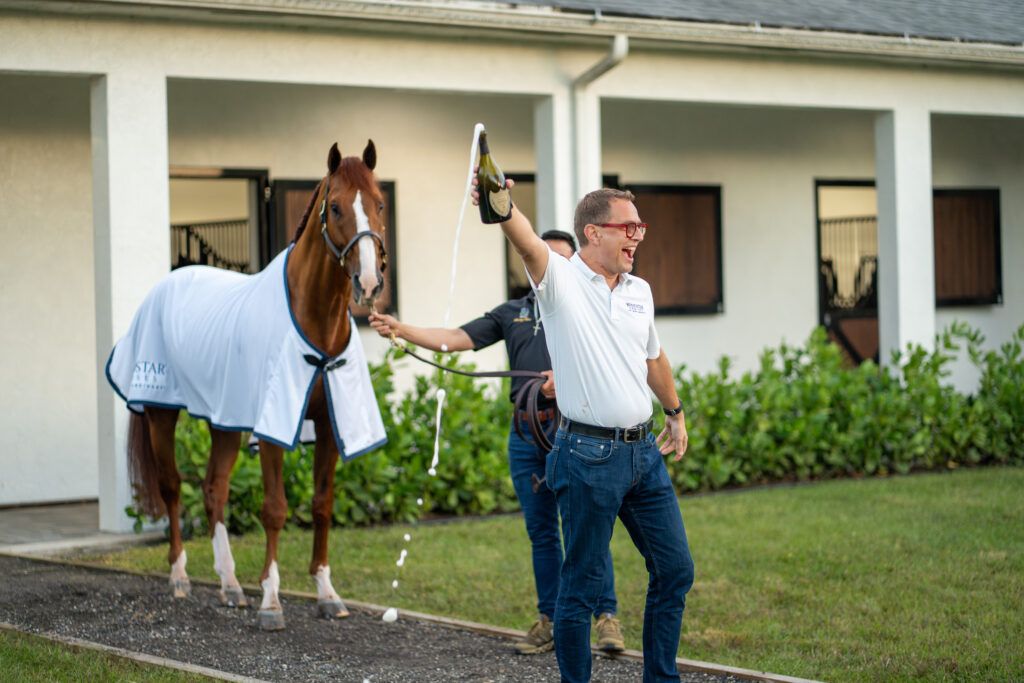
point(524, 315)
point(634, 308)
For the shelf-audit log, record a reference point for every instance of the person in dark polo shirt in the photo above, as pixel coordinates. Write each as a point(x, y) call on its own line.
point(517, 323)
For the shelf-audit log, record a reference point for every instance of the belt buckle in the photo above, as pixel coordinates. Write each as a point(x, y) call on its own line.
point(632, 434)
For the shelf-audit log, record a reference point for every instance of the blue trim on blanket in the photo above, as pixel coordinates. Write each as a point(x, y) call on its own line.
point(110, 380)
point(295, 323)
point(288, 303)
point(268, 439)
point(338, 441)
point(337, 432)
point(305, 407)
point(349, 458)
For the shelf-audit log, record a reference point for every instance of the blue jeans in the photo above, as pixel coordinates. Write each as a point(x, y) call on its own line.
point(594, 480)
point(540, 513)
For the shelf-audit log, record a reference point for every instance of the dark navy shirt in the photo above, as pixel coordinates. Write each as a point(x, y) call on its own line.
point(515, 322)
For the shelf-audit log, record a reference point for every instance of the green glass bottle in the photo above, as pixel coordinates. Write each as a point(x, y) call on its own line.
point(495, 200)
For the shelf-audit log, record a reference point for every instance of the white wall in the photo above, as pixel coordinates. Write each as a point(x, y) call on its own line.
point(974, 152)
point(766, 162)
point(422, 144)
point(47, 339)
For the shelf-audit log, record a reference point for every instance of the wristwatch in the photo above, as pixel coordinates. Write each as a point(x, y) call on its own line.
point(673, 411)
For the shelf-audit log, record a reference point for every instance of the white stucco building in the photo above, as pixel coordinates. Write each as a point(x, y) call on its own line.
point(743, 136)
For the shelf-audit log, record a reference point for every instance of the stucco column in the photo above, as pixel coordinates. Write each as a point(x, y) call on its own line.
point(587, 120)
point(552, 138)
point(131, 216)
point(906, 261)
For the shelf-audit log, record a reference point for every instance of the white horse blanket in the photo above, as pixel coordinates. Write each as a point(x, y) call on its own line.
point(225, 347)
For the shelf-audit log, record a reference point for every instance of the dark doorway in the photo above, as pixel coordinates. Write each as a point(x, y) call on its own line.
point(847, 220)
point(219, 217)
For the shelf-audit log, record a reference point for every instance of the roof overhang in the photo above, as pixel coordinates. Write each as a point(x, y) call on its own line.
point(461, 17)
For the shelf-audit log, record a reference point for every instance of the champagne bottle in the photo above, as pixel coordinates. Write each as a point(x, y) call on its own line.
point(495, 201)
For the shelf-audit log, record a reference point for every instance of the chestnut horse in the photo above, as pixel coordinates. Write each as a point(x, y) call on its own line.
point(337, 251)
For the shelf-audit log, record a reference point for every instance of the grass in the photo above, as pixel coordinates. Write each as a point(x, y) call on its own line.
point(27, 658)
point(906, 578)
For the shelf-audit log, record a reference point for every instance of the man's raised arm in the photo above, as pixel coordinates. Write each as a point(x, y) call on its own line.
point(527, 244)
point(524, 240)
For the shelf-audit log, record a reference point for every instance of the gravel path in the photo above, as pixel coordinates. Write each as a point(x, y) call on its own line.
point(137, 613)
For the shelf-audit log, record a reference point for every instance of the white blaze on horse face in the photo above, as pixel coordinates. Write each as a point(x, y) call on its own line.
point(367, 249)
point(223, 562)
point(270, 585)
point(324, 589)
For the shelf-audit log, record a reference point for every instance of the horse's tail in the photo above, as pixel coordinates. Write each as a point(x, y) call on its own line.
point(142, 467)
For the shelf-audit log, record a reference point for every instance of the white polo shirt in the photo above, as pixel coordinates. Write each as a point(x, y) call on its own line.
point(600, 341)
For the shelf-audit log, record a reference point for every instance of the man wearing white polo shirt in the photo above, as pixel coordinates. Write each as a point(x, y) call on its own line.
point(606, 461)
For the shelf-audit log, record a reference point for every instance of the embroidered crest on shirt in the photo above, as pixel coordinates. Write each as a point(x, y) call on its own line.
point(524, 315)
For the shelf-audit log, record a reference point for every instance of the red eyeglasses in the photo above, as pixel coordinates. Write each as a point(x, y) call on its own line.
point(630, 228)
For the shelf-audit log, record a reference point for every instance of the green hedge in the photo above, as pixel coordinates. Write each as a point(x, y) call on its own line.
point(801, 415)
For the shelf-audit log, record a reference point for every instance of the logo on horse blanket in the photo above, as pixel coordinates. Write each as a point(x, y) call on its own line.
point(149, 375)
point(225, 347)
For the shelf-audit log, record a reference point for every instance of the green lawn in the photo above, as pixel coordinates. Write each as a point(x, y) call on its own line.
point(918, 577)
point(27, 658)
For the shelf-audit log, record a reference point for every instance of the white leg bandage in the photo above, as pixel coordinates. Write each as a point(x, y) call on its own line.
point(223, 562)
point(324, 589)
point(178, 568)
point(270, 585)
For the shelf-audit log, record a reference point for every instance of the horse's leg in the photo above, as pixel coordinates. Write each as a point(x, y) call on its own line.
point(223, 453)
point(275, 509)
point(325, 459)
point(161, 435)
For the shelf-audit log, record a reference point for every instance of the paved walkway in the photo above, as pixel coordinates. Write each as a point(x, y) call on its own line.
point(48, 529)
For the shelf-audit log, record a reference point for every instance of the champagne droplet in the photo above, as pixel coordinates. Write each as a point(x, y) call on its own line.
point(407, 537)
point(391, 615)
point(394, 584)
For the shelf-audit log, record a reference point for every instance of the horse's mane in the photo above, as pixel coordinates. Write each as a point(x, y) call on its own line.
point(309, 210)
point(351, 169)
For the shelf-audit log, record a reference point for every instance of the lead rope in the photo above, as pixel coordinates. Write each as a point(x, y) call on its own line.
point(391, 614)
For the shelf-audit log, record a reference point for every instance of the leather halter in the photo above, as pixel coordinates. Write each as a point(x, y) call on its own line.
point(342, 254)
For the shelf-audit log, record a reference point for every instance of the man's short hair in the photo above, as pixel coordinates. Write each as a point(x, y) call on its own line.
point(559, 235)
point(595, 208)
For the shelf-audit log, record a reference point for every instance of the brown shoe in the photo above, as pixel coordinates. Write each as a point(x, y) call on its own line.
point(540, 638)
point(609, 634)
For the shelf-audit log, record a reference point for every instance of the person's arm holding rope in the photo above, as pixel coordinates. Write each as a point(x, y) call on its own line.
point(433, 338)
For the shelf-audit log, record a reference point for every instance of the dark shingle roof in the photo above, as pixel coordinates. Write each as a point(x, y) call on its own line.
point(991, 21)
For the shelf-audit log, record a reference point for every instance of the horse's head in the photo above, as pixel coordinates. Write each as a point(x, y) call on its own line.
point(352, 221)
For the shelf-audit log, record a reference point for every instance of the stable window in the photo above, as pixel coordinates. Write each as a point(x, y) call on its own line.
point(967, 248)
point(290, 199)
point(681, 255)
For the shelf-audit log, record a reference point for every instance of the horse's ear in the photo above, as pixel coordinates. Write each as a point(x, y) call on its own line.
point(333, 159)
point(370, 155)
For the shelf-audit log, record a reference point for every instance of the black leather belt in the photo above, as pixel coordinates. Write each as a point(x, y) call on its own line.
point(626, 434)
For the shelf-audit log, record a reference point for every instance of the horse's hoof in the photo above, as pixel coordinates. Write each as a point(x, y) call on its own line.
point(332, 609)
point(182, 587)
point(233, 597)
point(272, 620)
